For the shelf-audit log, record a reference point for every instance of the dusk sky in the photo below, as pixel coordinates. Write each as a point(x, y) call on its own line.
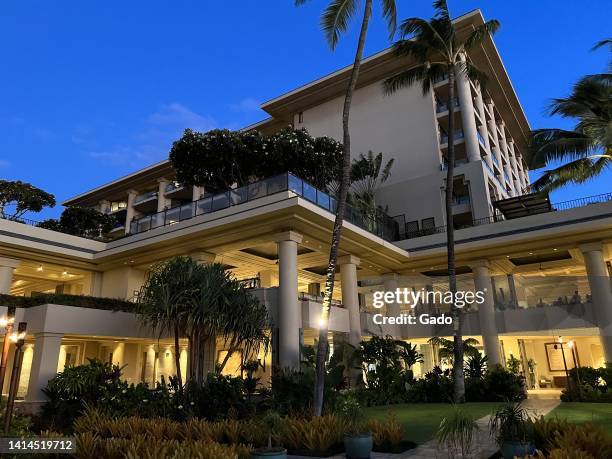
point(92, 90)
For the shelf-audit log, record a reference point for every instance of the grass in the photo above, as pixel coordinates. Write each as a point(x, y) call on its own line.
point(598, 413)
point(421, 420)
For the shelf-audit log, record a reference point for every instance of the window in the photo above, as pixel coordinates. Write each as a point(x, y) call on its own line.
point(301, 117)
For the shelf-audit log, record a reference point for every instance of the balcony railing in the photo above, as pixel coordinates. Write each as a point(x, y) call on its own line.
point(458, 162)
point(481, 139)
point(459, 200)
point(375, 220)
point(302, 296)
point(173, 186)
point(145, 196)
point(444, 136)
point(560, 206)
point(442, 107)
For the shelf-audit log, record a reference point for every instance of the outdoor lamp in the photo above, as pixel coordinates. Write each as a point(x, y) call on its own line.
point(8, 323)
point(19, 339)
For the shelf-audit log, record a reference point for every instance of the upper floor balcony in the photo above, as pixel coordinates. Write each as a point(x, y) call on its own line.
point(373, 220)
point(442, 106)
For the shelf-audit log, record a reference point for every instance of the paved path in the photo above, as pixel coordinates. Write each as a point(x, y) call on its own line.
point(485, 444)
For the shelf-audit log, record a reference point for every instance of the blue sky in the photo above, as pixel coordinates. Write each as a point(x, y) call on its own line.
point(90, 91)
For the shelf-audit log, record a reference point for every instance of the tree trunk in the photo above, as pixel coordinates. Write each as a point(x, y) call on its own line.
point(459, 383)
point(229, 353)
point(177, 357)
point(323, 344)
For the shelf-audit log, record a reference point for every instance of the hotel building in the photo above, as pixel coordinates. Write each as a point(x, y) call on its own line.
point(545, 267)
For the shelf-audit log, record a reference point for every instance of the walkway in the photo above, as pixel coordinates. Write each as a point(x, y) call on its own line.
point(485, 444)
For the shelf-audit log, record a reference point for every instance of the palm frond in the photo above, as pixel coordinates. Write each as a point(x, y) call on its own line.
point(557, 145)
point(477, 36)
point(407, 79)
point(441, 10)
point(602, 43)
point(423, 31)
point(300, 2)
point(336, 18)
point(578, 171)
point(474, 73)
point(390, 14)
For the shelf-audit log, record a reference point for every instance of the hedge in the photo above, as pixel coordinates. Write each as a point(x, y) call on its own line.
point(81, 301)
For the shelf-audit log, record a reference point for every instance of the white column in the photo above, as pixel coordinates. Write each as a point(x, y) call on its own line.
point(390, 284)
point(518, 186)
point(464, 93)
point(486, 312)
point(44, 364)
point(95, 284)
point(130, 211)
point(162, 202)
point(197, 192)
point(289, 313)
point(7, 266)
point(601, 293)
point(104, 206)
point(210, 346)
point(483, 129)
point(350, 296)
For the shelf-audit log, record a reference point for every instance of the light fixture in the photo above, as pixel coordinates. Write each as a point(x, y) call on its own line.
point(530, 253)
point(560, 339)
point(570, 344)
point(554, 250)
point(40, 268)
point(65, 273)
point(321, 322)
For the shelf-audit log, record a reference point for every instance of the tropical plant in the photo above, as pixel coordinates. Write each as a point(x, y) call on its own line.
point(437, 50)
point(447, 351)
point(512, 423)
point(456, 433)
point(334, 22)
point(587, 149)
point(476, 366)
point(352, 413)
point(272, 423)
point(513, 364)
point(367, 175)
point(202, 302)
point(22, 197)
point(81, 221)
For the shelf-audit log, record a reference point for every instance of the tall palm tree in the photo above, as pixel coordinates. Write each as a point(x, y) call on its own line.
point(437, 50)
point(335, 21)
point(588, 147)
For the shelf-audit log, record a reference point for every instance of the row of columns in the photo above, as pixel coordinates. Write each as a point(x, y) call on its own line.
point(162, 201)
point(503, 149)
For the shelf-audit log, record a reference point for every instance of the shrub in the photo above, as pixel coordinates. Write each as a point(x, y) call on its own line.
point(502, 385)
point(387, 435)
point(587, 439)
point(586, 393)
point(81, 301)
point(511, 423)
point(435, 387)
point(546, 430)
point(456, 433)
point(316, 436)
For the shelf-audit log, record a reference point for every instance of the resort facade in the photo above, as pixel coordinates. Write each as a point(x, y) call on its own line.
point(545, 267)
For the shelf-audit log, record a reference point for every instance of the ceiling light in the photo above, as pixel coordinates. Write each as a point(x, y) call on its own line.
point(530, 253)
point(65, 273)
point(554, 250)
point(39, 269)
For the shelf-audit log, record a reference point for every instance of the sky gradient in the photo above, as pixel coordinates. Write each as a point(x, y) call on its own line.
point(91, 91)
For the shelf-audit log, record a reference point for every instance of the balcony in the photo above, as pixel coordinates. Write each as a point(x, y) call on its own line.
point(444, 136)
point(376, 222)
point(146, 202)
point(460, 200)
point(145, 197)
point(442, 107)
point(458, 162)
point(481, 139)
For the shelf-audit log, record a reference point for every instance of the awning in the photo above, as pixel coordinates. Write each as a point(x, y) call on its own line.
point(524, 205)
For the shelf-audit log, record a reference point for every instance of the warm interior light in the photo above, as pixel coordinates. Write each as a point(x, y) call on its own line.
point(321, 322)
point(3, 322)
point(570, 344)
point(14, 337)
point(65, 273)
point(40, 268)
point(560, 339)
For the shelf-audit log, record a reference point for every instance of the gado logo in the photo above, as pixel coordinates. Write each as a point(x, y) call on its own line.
point(413, 298)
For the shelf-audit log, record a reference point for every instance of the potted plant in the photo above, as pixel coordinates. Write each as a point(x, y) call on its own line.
point(272, 422)
point(358, 440)
point(513, 430)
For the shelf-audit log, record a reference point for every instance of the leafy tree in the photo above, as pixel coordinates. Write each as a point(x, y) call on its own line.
point(202, 302)
point(446, 348)
point(81, 221)
point(476, 366)
point(315, 159)
point(587, 149)
point(24, 197)
point(436, 49)
point(334, 22)
point(217, 159)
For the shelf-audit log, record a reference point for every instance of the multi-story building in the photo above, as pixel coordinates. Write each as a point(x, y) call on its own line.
point(546, 273)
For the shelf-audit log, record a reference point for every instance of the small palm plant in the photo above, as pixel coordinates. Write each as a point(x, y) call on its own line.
point(456, 433)
point(272, 423)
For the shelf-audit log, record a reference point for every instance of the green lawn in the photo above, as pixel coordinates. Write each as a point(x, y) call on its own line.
point(597, 413)
point(420, 420)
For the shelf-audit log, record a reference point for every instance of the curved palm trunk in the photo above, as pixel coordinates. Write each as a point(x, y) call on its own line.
point(459, 383)
point(177, 357)
point(323, 345)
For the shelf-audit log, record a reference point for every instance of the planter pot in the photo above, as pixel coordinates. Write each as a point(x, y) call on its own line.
point(274, 453)
point(358, 446)
point(512, 449)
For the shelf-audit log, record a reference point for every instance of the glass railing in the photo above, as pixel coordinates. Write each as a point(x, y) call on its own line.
point(373, 220)
point(443, 106)
point(145, 196)
point(444, 136)
point(481, 138)
point(458, 162)
point(458, 200)
point(173, 186)
point(303, 296)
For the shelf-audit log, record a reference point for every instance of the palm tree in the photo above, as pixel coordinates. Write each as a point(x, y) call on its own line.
point(446, 348)
point(367, 175)
point(165, 298)
point(588, 147)
point(334, 21)
point(437, 50)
